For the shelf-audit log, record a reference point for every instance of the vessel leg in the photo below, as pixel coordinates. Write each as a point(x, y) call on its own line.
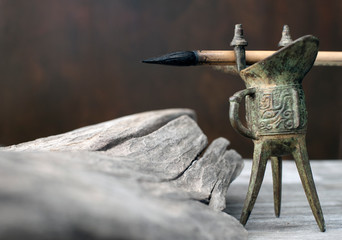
point(303, 165)
point(276, 174)
point(260, 157)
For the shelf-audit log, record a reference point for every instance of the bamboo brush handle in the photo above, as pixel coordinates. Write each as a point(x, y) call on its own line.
point(324, 58)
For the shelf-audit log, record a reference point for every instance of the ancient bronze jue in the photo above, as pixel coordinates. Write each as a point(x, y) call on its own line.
point(276, 115)
point(277, 119)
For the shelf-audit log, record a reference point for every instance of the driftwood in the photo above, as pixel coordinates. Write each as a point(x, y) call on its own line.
point(144, 176)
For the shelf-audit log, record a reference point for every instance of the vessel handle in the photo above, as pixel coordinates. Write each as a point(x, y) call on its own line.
point(234, 112)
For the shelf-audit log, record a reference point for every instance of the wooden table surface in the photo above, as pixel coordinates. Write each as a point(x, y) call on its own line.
point(296, 220)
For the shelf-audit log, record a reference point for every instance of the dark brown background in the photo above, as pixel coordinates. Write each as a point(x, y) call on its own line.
point(70, 63)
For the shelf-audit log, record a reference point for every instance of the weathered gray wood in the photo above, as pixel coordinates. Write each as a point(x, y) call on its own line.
point(137, 177)
point(48, 194)
point(103, 136)
point(296, 220)
point(166, 152)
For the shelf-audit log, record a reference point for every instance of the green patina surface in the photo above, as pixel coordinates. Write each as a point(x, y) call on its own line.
point(277, 120)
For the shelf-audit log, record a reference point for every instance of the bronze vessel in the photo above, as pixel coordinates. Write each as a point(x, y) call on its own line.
point(276, 119)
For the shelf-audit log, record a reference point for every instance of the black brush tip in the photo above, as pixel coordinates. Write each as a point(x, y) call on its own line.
point(186, 58)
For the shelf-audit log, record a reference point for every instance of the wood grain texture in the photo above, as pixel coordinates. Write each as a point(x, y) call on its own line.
point(142, 176)
point(296, 220)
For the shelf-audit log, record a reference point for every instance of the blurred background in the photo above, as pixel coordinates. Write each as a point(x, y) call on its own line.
point(70, 63)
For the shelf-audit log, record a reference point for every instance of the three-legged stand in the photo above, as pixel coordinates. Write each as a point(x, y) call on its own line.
point(274, 147)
